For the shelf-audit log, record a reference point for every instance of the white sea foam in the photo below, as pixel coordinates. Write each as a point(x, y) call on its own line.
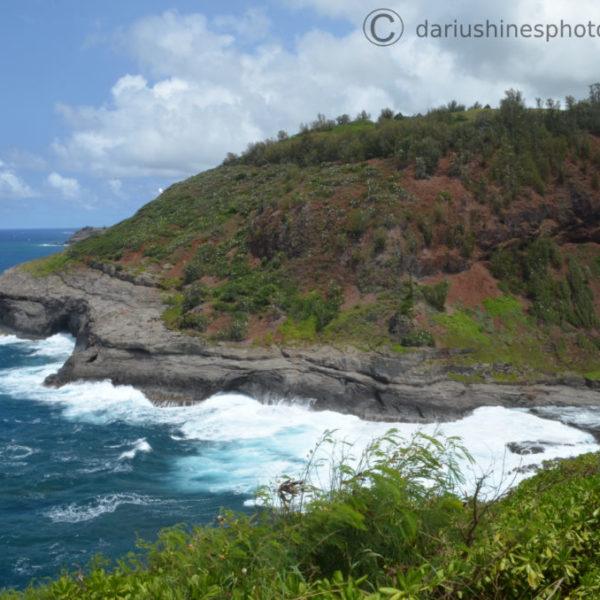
point(240, 443)
point(266, 441)
point(17, 452)
point(8, 339)
point(140, 445)
point(59, 346)
point(108, 503)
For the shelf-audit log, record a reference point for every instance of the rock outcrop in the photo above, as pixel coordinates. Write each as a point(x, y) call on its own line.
point(83, 234)
point(120, 336)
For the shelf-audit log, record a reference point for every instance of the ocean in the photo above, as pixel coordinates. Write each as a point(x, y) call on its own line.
point(90, 468)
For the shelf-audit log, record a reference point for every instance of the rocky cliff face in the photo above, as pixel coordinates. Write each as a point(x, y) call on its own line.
point(120, 336)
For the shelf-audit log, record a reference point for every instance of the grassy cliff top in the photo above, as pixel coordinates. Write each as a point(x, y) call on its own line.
point(469, 229)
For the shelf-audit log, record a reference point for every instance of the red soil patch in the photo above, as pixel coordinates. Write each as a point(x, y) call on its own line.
point(176, 271)
point(352, 297)
point(471, 286)
point(132, 259)
point(258, 327)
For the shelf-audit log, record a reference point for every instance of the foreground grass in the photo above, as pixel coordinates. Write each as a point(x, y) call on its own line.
point(377, 532)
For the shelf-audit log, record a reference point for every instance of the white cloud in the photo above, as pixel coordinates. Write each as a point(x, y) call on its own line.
point(116, 186)
point(24, 160)
point(254, 25)
point(67, 186)
point(200, 94)
point(12, 186)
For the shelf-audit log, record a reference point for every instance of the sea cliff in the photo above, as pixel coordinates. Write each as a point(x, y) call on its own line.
point(121, 336)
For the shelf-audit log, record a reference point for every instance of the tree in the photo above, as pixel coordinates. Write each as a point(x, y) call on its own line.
point(595, 93)
point(387, 114)
point(454, 106)
point(512, 109)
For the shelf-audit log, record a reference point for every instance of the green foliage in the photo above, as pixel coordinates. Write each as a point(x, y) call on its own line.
point(172, 314)
point(272, 225)
point(42, 267)
point(555, 300)
point(194, 295)
point(379, 240)
point(463, 329)
point(503, 306)
point(304, 330)
point(236, 331)
point(543, 537)
point(435, 295)
point(386, 523)
point(195, 321)
point(358, 221)
point(418, 338)
point(314, 306)
point(584, 312)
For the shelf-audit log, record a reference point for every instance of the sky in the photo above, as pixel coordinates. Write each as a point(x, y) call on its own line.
point(105, 104)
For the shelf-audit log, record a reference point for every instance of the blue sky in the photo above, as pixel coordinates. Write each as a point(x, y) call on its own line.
point(103, 104)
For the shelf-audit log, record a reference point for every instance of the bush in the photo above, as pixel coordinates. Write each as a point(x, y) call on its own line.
point(358, 221)
point(418, 338)
point(195, 321)
point(194, 295)
point(584, 311)
point(435, 295)
point(379, 240)
point(557, 301)
point(323, 310)
point(236, 331)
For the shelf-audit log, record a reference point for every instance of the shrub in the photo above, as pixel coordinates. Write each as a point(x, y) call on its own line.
point(435, 295)
point(418, 338)
point(314, 305)
point(195, 321)
point(584, 312)
point(358, 221)
point(379, 240)
point(195, 294)
point(236, 331)
point(554, 300)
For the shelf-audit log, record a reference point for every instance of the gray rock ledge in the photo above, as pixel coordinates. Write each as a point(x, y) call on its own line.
point(120, 336)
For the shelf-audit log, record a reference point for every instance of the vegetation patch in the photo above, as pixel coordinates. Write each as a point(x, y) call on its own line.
point(463, 330)
point(42, 267)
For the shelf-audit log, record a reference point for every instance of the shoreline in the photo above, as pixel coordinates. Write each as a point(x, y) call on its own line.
point(120, 337)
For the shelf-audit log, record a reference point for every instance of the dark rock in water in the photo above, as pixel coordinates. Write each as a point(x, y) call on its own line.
point(587, 419)
point(533, 468)
point(84, 233)
point(121, 336)
point(527, 447)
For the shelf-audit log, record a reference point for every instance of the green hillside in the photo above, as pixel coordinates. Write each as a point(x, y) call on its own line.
point(473, 229)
